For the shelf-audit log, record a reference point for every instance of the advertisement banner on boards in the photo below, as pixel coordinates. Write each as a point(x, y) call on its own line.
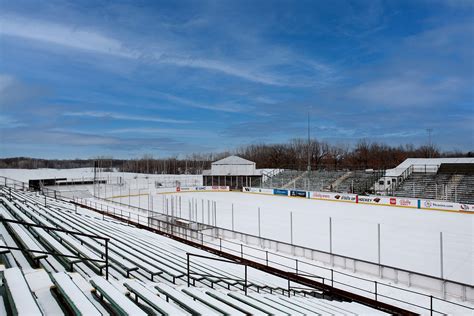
point(257, 190)
point(297, 193)
point(445, 205)
point(217, 188)
point(369, 199)
point(280, 192)
point(346, 197)
point(399, 201)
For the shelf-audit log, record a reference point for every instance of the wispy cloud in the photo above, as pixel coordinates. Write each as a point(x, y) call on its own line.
point(13, 92)
point(406, 91)
point(124, 117)
point(9, 122)
point(54, 33)
point(90, 40)
point(231, 107)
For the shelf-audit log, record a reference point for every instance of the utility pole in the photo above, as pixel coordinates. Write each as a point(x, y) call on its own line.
point(309, 143)
point(429, 130)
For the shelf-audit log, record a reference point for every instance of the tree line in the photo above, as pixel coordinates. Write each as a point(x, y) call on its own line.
point(297, 154)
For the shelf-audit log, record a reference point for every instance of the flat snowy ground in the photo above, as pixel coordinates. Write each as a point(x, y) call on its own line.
point(410, 238)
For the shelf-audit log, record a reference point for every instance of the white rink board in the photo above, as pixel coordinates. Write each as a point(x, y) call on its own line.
point(410, 238)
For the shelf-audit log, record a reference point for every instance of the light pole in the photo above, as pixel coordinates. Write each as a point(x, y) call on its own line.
point(309, 143)
point(429, 130)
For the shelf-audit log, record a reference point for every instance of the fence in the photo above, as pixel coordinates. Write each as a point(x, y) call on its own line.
point(53, 253)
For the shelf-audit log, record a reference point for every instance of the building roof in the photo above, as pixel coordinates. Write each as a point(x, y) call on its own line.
point(233, 160)
point(432, 163)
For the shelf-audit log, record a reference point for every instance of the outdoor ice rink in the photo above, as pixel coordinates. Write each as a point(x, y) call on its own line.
point(409, 238)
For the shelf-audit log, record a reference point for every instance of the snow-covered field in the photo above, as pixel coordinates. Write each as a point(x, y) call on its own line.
point(409, 238)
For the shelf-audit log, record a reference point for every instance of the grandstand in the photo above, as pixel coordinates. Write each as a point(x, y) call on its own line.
point(344, 181)
point(448, 179)
point(58, 258)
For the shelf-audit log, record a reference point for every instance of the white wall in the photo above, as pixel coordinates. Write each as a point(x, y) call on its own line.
point(248, 169)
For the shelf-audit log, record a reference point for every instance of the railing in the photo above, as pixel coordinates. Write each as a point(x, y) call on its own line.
point(14, 184)
point(53, 253)
point(328, 275)
point(188, 268)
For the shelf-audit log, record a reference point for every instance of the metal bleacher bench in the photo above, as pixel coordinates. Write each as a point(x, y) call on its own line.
point(19, 294)
point(74, 297)
point(184, 300)
point(152, 299)
point(255, 303)
point(24, 238)
point(2, 245)
point(211, 301)
point(245, 308)
point(119, 302)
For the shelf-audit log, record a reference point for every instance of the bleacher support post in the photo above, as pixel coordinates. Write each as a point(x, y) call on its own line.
point(289, 294)
point(187, 267)
point(106, 259)
point(245, 286)
point(375, 283)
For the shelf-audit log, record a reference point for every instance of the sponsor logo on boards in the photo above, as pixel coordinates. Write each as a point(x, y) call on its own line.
point(348, 198)
point(393, 201)
point(319, 195)
point(365, 199)
point(405, 202)
point(298, 193)
point(280, 192)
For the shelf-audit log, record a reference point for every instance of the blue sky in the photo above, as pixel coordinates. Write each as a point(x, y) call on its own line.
point(125, 78)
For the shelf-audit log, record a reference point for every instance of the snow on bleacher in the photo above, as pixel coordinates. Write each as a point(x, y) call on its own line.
point(147, 272)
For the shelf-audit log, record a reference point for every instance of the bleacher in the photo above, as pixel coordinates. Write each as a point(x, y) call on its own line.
point(357, 181)
point(323, 180)
point(303, 180)
point(147, 273)
point(451, 182)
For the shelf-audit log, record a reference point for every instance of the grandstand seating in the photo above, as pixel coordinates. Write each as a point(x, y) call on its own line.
point(147, 271)
point(358, 181)
point(438, 186)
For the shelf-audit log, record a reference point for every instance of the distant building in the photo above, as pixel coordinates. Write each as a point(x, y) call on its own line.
point(233, 171)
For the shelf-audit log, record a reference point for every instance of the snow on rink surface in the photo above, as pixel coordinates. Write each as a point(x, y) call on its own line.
point(410, 238)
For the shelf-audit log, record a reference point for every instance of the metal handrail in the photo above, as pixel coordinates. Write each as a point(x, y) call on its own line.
point(53, 253)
